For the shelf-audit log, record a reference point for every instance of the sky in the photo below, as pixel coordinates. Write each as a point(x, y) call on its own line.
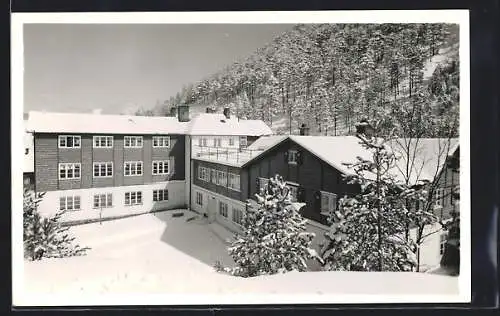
point(120, 68)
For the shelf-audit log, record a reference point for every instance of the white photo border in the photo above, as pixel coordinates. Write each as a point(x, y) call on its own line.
point(460, 17)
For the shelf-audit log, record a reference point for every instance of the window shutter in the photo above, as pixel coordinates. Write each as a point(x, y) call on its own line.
point(332, 205)
point(286, 156)
point(299, 157)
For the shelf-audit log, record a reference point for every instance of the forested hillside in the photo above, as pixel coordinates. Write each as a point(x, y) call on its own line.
point(330, 75)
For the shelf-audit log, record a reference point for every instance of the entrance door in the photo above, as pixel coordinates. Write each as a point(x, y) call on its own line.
point(212, 208)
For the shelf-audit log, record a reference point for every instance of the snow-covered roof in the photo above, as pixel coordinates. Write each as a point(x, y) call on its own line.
point(51, 122)
point(218, 124)
point(266, 142)
point(201, 124)
point(427, 155)
point(430, 153)
point(334, 150)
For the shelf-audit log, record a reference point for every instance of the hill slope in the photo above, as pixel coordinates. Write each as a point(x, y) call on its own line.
point(330, 75)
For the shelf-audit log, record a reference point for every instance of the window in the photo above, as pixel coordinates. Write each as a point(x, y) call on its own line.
point(439, 197)
point(133, 141)
point(214, 176)
point(199, 199)
point(103, 200)
point(103, 141)
point(133, 198)
point(328, 203)
point(200, 142)
point(223, 209)
point(237, 216)
point(69, 203)
point(161, 141)
point(133, 168)
point(160, 167)
point(69, 141)
point(231, 141)
point(234, 181)
point(442, 242)
point(222, 178)
point(69, 171)
point(243, 141)
point(217, 142)
point(204, 174)
point(160, 195)
point(292, 157)
point(205, 142)
point(103, 169)
point(293, 192)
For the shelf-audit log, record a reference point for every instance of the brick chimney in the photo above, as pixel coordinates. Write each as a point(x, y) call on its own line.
point(364, 128)
point(227, 113)
point(183, 113)
point(303, 130)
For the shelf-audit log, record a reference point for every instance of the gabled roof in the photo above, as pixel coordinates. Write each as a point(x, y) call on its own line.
point(217, 124)
point(334, 150)
point(51, 122)
point(266, 142)
point(430, 156)
point(337, 150)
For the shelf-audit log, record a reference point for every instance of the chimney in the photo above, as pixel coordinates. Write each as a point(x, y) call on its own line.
point(303, 130)
point(183, 113)
point(227, 113)
point(364, 128)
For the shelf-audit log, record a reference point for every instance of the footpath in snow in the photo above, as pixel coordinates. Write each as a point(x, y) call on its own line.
point(168, 257)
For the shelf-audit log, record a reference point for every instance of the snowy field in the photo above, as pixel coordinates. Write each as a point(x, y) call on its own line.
point(158, 259)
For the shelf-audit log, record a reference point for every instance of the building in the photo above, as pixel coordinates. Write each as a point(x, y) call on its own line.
point(95, 165)
point(219, 145)
point(213, 163)
point(313, 167)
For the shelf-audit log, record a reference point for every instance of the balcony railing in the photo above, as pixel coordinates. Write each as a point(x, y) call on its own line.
point(226, 154)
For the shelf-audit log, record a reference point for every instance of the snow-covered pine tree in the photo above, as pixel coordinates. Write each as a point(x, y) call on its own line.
point(274, 238)
point(45, 237)
point(365, 234)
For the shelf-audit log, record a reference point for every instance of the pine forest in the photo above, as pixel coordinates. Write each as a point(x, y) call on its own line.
point(329, 76)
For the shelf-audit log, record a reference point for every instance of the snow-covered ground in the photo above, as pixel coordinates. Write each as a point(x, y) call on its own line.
point(158, 259)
